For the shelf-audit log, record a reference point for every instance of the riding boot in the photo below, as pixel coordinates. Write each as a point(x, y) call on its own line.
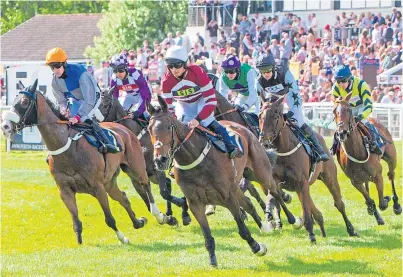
point(322, 156)
point(375, 142)
point(107, 146)
point(335, 144)
point(232, 149)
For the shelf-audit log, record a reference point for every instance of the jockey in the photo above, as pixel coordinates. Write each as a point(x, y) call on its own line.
point(78, 94)
point(275, 83)
point(131, 88)
point(195, 95)
point(360, 101)
point(240, 79)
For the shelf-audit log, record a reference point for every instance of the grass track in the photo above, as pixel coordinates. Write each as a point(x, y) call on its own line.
point(37, 238)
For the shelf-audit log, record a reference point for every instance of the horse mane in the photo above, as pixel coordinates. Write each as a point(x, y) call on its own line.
point(54, 107)
point(222, 102)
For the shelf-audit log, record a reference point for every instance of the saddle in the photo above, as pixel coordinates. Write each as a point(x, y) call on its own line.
point(220, 145)
point(308, 145)
point(93, 139)
point(252, 121)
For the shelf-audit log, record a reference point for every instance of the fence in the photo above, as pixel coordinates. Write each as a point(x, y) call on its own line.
point(320, 115)
point(201, 15)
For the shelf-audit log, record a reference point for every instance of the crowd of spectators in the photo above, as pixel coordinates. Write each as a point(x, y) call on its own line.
point(291, 40)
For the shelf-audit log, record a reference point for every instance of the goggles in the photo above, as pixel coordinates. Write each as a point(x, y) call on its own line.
point(266, 69)
point(230, 71)
point(55, 65)
point(119, 70)
point(344, 80)
point(175, 65)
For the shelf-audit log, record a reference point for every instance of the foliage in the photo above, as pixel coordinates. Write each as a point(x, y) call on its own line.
point(128, 24)
point(37, 237)
point(13, 13)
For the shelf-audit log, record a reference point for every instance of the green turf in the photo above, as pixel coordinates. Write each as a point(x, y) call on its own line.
point(37, 238)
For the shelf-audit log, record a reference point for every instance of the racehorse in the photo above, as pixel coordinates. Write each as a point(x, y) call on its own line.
point(113, 111)
point(225, 111)
point(292, 170)
point(359, 164)
point(208, 176)
point(78, 167)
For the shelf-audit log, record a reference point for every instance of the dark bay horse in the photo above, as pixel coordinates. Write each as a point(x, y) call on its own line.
point(293, 164)
point(113, 111)
point(208, 176)
point(359, 164)
point(78, 167)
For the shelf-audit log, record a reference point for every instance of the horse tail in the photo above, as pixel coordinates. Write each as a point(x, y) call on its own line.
point(272, 155)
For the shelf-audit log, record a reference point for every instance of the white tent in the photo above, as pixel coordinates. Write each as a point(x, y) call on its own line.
point(391, 76)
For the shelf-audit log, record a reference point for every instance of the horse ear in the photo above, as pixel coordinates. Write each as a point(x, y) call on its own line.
point(150, 108)
point(111, 90)
point(32, 88)
point(348, 96)
point(279, 100)
point(163, 104)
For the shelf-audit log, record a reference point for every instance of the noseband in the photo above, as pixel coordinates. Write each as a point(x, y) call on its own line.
point(351, 126)
point(21, 125)
point(277, 134)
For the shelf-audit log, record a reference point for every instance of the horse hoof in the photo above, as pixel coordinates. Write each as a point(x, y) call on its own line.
point(262, 251)
point(354, 234)
point(287, 198)
point(380, 221)
point(397, 209)
point(298, 223)
point(144, 220)
point(210, 209)
point(172, 221)
point(213, 261)
point(186, 220)
point(312, 238)
point(161, 218)
point(125, 241)
point(267, 227)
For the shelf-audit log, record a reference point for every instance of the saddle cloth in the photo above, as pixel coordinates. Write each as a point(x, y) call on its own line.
point(94, 140)
point(220, 144)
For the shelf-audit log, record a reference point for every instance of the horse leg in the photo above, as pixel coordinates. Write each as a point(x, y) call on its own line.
point(247, 205)
point(306, 208)
point(317, 215)
point(371, 207)
point(197, 209)
point(252, 190)
point(120, 196)
point(390, 158)
point(330, 180)
point(233, 205)
point(161, 218)
point(69, 199)
point(102, 197)
point(272, 214)
point(383, 201)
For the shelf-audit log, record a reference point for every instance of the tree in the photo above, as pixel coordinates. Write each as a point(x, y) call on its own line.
point(128, 24)
point(13, 13)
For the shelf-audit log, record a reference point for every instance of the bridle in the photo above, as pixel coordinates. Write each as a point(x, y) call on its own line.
point(32, 104)
point(276, 134)
point(351, 126)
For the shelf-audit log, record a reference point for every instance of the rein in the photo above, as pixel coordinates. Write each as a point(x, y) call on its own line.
point(227, 112)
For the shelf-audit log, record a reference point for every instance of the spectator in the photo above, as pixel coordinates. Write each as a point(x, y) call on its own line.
point(258, 20)
point(212, 27)
point(213, 52)
point(178, 39)
point(252, 29)
point(389, 98)
point(388, 33)
point(235, 38)
point(399, 98)
point(169, 40)
point(315, 97)
point(200, 39)
point(275, 29)
point(275, 49)
point(381, 19)
point(376, 34)
point(141, 59)
point(327, 35)
point(244, 26)
point(204, 54)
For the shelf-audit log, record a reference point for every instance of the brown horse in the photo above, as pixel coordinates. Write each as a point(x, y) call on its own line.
point(78, 167)
point(208, 176)
point(114, 112)
point(293, 166)
point(359, 164)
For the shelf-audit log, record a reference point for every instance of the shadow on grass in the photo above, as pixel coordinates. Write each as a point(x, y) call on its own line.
point(330, 268)
point(165, 247)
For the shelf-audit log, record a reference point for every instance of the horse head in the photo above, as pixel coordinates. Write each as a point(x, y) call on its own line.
point(163, 134)
point(271, 121)
point(343, 116)
point(22, 113)
point(106, 102)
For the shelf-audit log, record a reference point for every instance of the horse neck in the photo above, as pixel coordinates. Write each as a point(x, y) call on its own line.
point(54, 134)
point(224, 106)
point(354, 144)
point(118, 112)
point(192, 148)
point(286, 140)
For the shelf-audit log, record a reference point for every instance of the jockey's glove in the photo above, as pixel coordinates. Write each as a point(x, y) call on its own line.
point(239, 108)
point(134, 114)
point(358, 118)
